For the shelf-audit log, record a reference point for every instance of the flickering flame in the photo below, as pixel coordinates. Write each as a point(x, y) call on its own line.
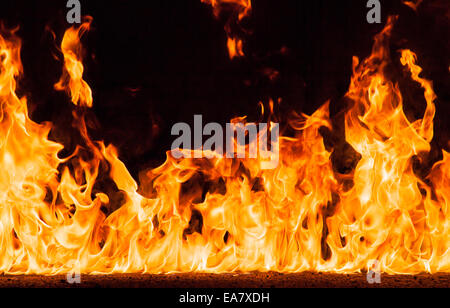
point(240, 9)
point(219, 214)
point(72, 78)
point(413, 4)
point(235, 48)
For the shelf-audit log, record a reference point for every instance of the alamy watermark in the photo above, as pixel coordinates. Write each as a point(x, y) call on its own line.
point(74, 14)
point(374, 14)
point(374, 272)
point(237, 140)
point(74, 278)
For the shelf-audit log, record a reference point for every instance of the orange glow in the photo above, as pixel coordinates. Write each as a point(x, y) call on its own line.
point(413, 4)
point(72, 78)
point(226, 215)
point(239, 10)
point(235, 48)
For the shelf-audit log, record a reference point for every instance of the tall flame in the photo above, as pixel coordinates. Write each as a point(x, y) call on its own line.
point(226, 215)
point(29, 162)
point(72, 78)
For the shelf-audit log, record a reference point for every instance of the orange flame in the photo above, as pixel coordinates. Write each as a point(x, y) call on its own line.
point(235, 48)
point(241, 9)
point(227, 215)
point(413, 4)
point(72, 78)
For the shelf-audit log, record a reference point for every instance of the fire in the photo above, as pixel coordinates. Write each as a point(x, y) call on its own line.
point(72, 78)
point(226, 215)
point(235, 48)
point(386, 211)
point(413, 4)
point(240, 9)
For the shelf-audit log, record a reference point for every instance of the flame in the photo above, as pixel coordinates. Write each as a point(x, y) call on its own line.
point(386, 211)
point(72, 78)
point(226, 215)
point(240, 10)
point(30, 162)
point(235, 48)
point(413, 4)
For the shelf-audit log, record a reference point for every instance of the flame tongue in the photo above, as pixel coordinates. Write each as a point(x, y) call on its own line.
point(387, 209)
point(223, 215)
point(29, 168)
point(240, 9)
point(413, 4)
point(72, 78)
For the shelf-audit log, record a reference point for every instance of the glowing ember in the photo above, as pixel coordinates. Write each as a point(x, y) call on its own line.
point(300, 216)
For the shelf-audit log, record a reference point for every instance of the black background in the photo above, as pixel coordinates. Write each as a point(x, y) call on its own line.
point(174, 53)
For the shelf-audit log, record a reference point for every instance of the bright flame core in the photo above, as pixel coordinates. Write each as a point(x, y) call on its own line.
point(226, 215)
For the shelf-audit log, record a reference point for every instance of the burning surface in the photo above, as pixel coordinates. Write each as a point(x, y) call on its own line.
point(226, 215)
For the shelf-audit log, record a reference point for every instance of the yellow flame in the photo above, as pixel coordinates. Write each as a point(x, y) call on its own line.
point(72, 78)
point(227, 215)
